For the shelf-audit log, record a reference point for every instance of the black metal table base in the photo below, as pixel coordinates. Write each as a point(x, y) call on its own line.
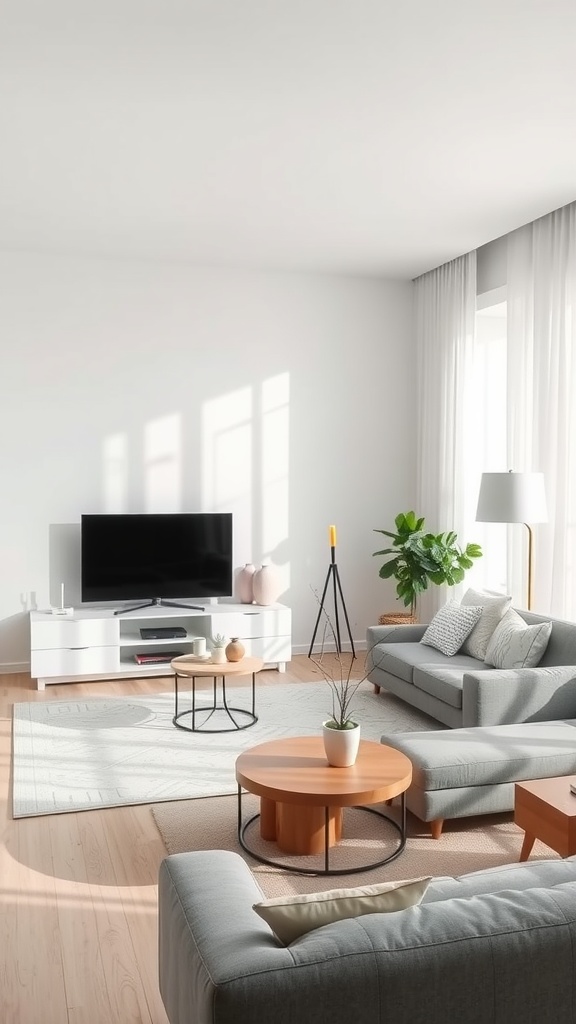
point(327, 870)
point(208, 711)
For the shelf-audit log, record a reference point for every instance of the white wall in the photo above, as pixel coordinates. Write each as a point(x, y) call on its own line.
point(145, 387)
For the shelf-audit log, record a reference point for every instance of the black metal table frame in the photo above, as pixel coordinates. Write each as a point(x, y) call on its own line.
point(210, 709)
point(327, 870)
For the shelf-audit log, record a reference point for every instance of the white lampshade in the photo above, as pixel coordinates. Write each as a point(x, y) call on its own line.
point(512, 498)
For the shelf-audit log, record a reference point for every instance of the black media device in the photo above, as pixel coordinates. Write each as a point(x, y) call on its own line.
point(155, 557)
point(162, 633)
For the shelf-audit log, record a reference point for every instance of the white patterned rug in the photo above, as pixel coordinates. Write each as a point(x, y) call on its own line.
point(79, 755)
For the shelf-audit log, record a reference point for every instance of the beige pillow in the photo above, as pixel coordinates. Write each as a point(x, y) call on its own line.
point(516, 645)
point(494, 606)
point(292, 916)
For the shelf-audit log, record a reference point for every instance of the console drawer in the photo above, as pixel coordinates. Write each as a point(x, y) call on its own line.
point(59, 632)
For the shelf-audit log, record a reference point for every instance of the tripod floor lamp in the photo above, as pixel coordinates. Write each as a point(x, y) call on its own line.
point(514, 498)
point(332, 575)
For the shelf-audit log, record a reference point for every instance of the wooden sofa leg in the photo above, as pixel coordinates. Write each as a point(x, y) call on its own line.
point(436, 828)
point(376, 688)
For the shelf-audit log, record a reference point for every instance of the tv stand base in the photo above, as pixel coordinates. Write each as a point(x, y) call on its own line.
point(158, 602)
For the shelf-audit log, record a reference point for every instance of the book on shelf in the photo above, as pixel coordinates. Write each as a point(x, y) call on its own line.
point(158, 658)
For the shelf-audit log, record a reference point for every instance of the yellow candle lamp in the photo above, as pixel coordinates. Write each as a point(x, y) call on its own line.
point(332, 530)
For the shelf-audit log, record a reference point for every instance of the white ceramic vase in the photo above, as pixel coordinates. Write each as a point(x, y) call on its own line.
point(341, 745)
point(244, 584)
point(218, 656)
point(266, 585)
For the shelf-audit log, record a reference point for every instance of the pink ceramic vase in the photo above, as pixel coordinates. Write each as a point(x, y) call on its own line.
point(266, 585)
point(244, 584)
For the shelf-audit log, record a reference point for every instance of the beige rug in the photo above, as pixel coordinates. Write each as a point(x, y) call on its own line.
point(467, 844)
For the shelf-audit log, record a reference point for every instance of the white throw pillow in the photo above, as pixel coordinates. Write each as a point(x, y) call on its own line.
point(292, 916)
point(516, 645)
point(450, 627)
point(494, 606)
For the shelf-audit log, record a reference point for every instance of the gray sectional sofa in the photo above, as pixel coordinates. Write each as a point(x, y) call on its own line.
point(461, 691)
point(489, 947)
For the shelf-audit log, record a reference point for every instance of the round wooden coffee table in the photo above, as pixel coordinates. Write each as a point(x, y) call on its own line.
point(189, 666)
point(302, 797)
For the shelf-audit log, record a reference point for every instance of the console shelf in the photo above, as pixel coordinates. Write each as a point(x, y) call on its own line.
point(96, 643)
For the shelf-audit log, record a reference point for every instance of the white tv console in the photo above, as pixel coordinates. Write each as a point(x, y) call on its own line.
point(96, 643)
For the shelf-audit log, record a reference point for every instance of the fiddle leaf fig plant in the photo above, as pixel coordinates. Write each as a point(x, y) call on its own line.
point(416, 559)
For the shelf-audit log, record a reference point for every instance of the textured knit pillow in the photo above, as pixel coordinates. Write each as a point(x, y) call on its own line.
point(515, 645)
point(494, 606)
point(292, 916)
point(450, 627)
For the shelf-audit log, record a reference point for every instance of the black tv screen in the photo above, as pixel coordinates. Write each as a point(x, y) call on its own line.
point(153, 556)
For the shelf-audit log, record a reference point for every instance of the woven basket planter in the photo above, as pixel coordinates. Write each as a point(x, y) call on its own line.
point(397, 619)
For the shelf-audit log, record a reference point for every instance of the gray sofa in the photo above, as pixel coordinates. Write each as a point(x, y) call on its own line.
point(492, 946)
point(461, 691)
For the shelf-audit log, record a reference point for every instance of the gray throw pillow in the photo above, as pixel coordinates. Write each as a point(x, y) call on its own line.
point(450, 627)
point(494, 606)
point(516, 645)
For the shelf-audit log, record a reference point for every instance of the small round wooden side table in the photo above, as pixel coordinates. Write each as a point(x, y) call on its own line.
point(191, 668)
point(302, 796)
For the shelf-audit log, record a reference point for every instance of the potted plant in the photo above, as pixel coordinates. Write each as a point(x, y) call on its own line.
point(218, 649)
point(416, 558)
point(341, 732)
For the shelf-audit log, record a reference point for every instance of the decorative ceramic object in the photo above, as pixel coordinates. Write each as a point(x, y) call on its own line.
point(341, 745)
point(266, 585)
point(235, 650)
point(244, 584)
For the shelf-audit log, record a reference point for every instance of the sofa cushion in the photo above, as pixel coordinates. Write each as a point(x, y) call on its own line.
point(516, 645)
point(530, 875)
point(456, 758)
point(399, 659)
point(443, 683)
point(494, 606)
point(450, 627)
point(292, 916)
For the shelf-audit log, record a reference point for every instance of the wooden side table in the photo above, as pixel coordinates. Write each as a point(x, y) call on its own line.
point(192, 668)
point(302, 796)
point(546, 810)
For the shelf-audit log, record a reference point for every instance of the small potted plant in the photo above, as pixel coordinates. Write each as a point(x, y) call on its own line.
point(219, 642)
point(416, 559)
point(341, 732)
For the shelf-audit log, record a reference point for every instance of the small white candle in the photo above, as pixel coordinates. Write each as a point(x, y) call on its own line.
point(199, 646)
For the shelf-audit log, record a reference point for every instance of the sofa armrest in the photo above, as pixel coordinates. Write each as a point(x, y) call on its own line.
point(395, 634)
point(208, 934)
point(512, 696)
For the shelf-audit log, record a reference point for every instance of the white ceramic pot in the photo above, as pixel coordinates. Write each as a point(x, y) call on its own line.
point(266, 585)
point(244, 584)
point(218, 656)
point(341, 745)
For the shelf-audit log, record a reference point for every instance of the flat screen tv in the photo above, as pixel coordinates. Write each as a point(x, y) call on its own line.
point(156, 556)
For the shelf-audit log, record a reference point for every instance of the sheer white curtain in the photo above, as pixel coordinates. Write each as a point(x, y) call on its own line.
point(445, 302)
point(541, 398)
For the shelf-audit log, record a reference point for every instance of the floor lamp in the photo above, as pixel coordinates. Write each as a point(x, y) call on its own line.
point(514, 498)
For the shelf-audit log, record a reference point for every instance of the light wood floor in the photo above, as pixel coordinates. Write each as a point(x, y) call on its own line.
point(78, 919)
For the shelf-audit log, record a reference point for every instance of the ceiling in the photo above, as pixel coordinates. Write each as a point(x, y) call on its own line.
point(355, 136)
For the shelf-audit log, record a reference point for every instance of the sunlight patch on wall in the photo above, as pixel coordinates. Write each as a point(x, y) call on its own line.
point(115, 473)
point(163, 464)
point(275, 461)
point(245, 452)
point(227, 459)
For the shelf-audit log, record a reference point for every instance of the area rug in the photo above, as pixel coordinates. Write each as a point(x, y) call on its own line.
point(104, 752)
point(467, 844)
